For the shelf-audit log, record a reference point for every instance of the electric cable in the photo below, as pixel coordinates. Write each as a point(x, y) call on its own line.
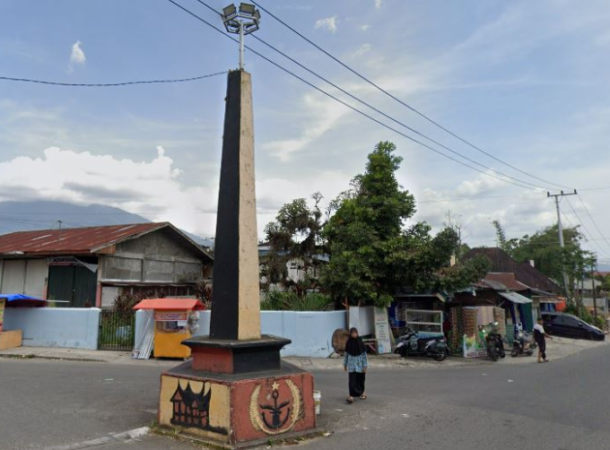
point(124, 83)
point(347, 104)
point(411, 108)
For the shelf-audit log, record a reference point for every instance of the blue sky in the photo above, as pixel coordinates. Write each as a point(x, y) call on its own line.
point(526, 81)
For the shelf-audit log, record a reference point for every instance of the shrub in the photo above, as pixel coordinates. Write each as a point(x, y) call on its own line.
point(290, 301)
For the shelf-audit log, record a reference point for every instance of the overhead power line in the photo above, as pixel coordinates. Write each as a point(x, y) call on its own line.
point(368, 105)
point(362, 113)
point(590, 236)
point(403, 103)
point(593, 220)
point(124, 83)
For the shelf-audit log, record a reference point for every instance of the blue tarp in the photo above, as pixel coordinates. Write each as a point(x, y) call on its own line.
point(22, 300)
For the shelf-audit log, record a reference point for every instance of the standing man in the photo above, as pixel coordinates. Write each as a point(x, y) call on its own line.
point(540, 338)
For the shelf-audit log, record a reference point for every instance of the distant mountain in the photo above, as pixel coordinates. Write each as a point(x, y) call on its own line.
point(40, 215)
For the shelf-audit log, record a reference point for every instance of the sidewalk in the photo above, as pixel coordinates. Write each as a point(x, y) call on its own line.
point(558, 348)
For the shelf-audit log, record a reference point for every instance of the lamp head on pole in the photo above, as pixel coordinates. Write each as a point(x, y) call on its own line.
point(242, 21)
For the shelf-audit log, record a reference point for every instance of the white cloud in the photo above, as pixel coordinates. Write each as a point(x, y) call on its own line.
point(150, 188)
point(362, 50)
point(365, 27)
point(378, 4)
point(330, 23)
point(320, 116)
point(78, 55)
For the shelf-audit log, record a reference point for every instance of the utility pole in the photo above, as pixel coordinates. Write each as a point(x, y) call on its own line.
point(594, 293)
point(560, 229)
point(59, 223)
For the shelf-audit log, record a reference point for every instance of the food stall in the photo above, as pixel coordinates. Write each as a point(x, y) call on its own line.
point(14, 338)
point(173, 323)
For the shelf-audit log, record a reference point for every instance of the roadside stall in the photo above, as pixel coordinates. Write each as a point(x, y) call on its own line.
point(173, 323)
point(14, 338)
point(423, 313)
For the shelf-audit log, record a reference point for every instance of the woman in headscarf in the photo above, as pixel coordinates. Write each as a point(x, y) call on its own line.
point(355, 363)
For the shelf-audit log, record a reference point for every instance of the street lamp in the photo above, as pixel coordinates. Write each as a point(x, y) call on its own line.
point(242, 21)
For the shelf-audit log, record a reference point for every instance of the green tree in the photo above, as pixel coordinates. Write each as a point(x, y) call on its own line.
point(543, 248)
point(371, 252)
point(295, 235)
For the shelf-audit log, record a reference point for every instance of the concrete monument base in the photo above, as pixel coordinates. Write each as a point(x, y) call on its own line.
point(237, 410)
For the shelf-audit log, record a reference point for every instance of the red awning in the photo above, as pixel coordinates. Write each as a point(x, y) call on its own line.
point(171, 304)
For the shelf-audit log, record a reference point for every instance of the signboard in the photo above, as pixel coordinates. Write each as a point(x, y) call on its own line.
point(170, 316)
point(2, 304)
point(382, 331)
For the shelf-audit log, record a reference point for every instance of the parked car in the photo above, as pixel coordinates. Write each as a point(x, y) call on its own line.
point(567, 325)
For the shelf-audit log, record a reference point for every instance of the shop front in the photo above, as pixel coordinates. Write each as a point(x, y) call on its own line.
point(174, 320)
point(422, 313)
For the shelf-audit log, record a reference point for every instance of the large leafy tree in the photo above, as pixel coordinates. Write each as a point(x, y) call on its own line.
point(372, 254)
point(295, 236)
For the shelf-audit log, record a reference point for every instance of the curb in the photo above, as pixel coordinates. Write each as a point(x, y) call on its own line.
point(125, 436)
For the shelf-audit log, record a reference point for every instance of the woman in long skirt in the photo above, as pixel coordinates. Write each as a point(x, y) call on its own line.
point(355, 363)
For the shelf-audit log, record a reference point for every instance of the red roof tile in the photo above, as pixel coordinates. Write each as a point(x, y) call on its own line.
point(72, 240)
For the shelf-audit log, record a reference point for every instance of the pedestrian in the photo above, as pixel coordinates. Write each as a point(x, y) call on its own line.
point(540, 338)
point(355, 363)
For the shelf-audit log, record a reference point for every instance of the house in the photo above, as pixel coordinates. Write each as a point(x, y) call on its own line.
point(517, 286)
point(83, 267)
point(295, 270)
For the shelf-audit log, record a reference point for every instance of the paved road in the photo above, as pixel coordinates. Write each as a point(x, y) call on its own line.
point(562, 405)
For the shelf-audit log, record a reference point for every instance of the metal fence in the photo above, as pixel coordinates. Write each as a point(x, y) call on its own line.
point(117, 330)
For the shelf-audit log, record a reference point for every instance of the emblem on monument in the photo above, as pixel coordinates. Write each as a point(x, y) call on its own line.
point(193, 410)
point(277, 410)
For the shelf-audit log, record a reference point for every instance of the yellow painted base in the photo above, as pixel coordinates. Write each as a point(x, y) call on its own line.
point(11, 339)
point(168, 345)
point(209, 417)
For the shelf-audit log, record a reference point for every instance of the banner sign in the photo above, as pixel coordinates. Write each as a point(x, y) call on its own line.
point(382, 331)
point(170, 316)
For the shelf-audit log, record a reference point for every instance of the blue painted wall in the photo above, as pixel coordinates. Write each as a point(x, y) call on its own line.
point(55, 327)
point(311, 332)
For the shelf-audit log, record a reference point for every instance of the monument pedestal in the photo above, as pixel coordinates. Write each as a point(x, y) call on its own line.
point(237, 393)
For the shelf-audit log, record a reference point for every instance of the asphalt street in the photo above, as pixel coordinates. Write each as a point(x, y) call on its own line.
point(562, 405)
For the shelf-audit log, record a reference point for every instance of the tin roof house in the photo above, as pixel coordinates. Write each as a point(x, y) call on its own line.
point(81, 267)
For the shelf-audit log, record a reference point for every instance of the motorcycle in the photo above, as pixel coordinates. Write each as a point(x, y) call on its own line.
point(494, 342)
point(412, 344)
point(523, 343)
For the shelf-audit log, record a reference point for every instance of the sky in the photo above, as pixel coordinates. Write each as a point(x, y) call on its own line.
point(524, 81)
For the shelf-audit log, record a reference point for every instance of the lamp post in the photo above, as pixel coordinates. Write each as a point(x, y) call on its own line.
point(242, 21)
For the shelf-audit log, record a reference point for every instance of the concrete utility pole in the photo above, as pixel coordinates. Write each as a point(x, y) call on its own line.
point(593, 272)
point(560, 230)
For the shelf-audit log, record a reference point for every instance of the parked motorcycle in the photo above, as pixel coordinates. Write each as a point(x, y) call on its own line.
point(412, 344)
point(523, 343)
point(494, 341)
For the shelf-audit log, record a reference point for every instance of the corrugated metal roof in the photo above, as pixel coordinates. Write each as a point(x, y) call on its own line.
point(515, 298)
point(505, 281)
point(72, 240)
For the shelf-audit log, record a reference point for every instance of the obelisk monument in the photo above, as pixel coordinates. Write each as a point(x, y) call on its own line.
point(236, 310)
point(236, 391)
